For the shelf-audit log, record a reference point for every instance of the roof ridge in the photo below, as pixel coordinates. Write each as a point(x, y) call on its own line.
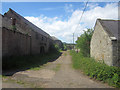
point(110, 27)
point(108, 19)
point(105, 28)
point(33, 25)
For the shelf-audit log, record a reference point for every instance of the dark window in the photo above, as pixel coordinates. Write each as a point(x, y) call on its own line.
point(42, 50)
point(42, 38)
point(13, 24)
point(14, 21)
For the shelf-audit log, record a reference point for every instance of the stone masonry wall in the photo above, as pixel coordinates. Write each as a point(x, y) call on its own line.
point(15, 43)
point(116, 61)
point(38, 40)
point(119, 40)
point(0, 37)
point(101, 45)
point(119, 53)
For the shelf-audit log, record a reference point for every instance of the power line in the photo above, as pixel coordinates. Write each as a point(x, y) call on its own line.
point(81, 15)
point(80, 20)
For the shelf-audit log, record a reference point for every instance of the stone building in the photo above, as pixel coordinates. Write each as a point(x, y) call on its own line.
point(21, 37)
point(105, 42)
point(57, 42)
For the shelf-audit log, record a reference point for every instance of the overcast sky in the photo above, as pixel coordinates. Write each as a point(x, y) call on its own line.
point(60, 19)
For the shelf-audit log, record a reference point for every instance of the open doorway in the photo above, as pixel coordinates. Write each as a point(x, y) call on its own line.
point(42, 50)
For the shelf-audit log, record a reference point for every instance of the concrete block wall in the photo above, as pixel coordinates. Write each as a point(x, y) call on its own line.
point(38, 40)
point(0, 37)
point(15, 43)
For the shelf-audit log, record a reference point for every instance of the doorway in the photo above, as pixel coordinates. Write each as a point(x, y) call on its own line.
point(42, 50)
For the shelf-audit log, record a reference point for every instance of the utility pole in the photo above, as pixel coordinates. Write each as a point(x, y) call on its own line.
point(73, 40)
point(77, 47)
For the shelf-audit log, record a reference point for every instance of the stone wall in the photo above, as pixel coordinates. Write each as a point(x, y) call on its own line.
point(101, 45)
point(15, 43)
point(119, 53)
point(39, 39)
point(119, 39)
point(0, 37)
point(115, 53)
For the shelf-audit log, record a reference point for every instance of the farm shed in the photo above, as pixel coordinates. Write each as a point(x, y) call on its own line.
point(105, 42)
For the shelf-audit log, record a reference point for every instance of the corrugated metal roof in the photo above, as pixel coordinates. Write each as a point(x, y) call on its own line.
point(111, 26)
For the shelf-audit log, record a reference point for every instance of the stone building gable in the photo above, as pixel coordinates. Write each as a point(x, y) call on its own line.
point(13, 14)
point(111, 27)
point(103, 29)
point(13, 23)
point(15, 43)
point(1, 20)
point(101, 48)
point(57, 42)
point(104, 46)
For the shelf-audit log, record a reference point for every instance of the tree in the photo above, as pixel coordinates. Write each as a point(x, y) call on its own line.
point(83, 42)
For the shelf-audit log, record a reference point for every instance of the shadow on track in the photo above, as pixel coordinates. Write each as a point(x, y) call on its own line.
point(11, 65)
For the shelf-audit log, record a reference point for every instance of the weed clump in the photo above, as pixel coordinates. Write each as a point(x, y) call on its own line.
point(96, 70)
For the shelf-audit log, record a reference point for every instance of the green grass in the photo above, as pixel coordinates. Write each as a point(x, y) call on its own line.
point(25, 84)
point(36, 68)
point(65, 54)
point(96, 70)
point(57, 68)
point(29, 62)
point(3, 76)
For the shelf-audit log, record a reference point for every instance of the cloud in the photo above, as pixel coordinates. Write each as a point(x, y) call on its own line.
point(64, 29)
point(92, 5)
point(68, 8)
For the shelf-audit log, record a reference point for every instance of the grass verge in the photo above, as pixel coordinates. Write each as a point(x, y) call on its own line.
point(19, 82)
point(57, 68)
point(96, 70)
point(28, 62)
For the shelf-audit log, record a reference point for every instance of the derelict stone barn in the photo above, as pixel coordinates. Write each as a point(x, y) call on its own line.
point(57, 42)
point(105, 42)
point(21, 37)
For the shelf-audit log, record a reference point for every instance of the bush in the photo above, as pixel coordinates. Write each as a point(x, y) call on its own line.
point(83, 42)
point(97, 70)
